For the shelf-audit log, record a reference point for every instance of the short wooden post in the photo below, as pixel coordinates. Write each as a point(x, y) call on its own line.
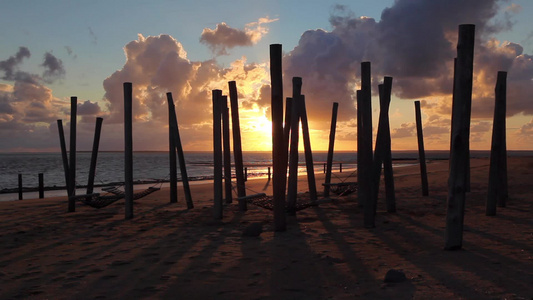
point(365, 185)
point(292, 188)
point(94, 155)
point(269, 174)
point(227, 151)
point(41, 185)
point(245, 173)
point(331, 146)
point(311, 182)
point(324, 168)
point(340, 167)
point(128, 150)
point(217, 153)
point(20, 186)
point(64, 155)
point(497, 189)
point(172, 152)
point(421, 151)
point(237, 146)
point(459, 138)
point(72, 164)
point(279, 159)
point(390, 197)
point(181, 155)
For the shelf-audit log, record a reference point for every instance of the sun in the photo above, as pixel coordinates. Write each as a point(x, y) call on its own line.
point(256, 131)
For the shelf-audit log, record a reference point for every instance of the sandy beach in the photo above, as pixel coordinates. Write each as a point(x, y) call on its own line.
point(169, 252)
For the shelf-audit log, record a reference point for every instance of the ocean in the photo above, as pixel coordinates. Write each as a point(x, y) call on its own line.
point(153, 167)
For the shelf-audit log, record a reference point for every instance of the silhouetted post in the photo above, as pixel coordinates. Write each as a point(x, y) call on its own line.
point(365, 185)
point(359, 100)
point(390, 198)
point(217, 153)
point(237, 146)
point(172, 152)
point(94, 155)
point(64, 154)
point(245, 173)
point(292, 188)
point(288, 120)
point(382, 149)
point(340, 167)
point(128, 149)
point(331, 146)
point(459, 138)
point(269, 174)
point(279, 159)
point(72, 164)
point(311, 182)
point(421, 151)
point(20, 186)
point(497, 193)
point(41, 185)
point(227, 151)
point(181, 155)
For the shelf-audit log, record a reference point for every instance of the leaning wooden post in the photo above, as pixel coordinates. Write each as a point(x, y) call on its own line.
point(41, 185)
point(20, 186)
point(279, 159)
point(311, 182)
point(227, 150)
point(64, 155)
point(72, 164)
point(237, 146)
point(128, 149)
point(94, 155)
point(172, 153)
point(497, 193)
point(331, 146)
point(390, 197)
point(292, 187)
point(459, 138)
point(421, 151)
point(217, 154)
point(365, 185)
point(181, 155)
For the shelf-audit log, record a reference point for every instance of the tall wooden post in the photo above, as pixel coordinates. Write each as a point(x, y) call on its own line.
point(94, 155)
point(459, 138)
point(360, 175)
point(172, 153)
point(20, 186)
point(366, 138)
point(72, 164)
point(279, 159)
point(237, 146)
point(41, 185)
point(292, 188)
point(217, 153)
point(64, 154)
point(497, 191)
point(311, 182)
point(128, 149)
point(227, 150)
point(331, 146)
point(181, 155)
point(421, 151)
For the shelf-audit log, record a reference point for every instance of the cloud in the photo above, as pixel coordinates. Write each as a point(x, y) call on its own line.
point(53, 68)
point(224, 37)
point(10, 67)
point(405, 130)
point(94, 38)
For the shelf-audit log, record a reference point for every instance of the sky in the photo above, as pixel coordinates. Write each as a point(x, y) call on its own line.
point(52, 50)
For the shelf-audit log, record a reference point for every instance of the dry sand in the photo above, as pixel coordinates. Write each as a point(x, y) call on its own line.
point(170, 252)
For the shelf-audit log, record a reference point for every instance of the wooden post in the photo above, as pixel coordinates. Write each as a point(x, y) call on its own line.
point(359, 101)
point(292, 189)
point(41, 185)
point(390, 198)
point(459, 138)
point(64, 154)
point(331, 146)
point(181, 155)
point(94, 155)
point(497, 191)
point(128, 149)
point(365, 186)
point(217, 153)
point(227, 150)
point(20, 186)
point(311, 182)
point(245, 173)
point(421, 151)
point(237, 146)
point(340, 167)
point(72, 164)
point(172, 151)
point(279, 159)
point(269, 174)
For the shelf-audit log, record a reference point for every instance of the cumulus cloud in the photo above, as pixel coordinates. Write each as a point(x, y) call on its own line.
point(224, 37)
point(53, 68)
